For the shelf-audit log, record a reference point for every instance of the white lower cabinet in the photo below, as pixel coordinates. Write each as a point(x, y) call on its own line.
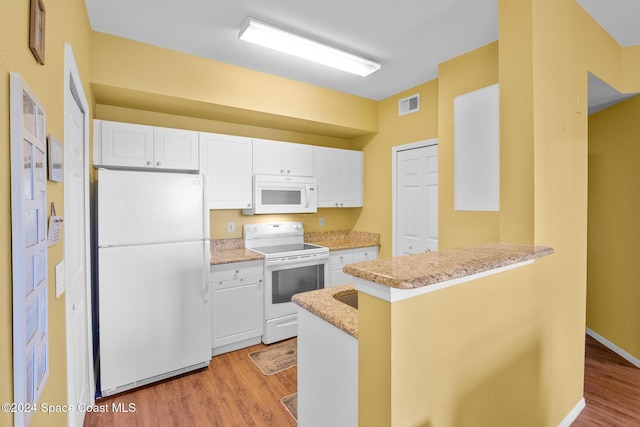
point(338, 259)
point(238, 301)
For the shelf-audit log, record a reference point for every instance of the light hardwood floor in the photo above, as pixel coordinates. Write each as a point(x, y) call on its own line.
point(233, 392)
point(611, 389)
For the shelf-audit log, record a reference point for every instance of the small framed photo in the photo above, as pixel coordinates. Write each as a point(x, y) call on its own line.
point(36, 33)
point(55, 159)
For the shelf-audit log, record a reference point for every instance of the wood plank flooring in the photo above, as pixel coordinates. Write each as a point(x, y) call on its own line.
point(233, 392)
point(611, 389)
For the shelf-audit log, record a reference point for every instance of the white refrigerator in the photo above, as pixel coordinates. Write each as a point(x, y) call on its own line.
point(153, 261)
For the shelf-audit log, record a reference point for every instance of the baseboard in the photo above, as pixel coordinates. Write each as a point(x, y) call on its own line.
point(573, 414)
point(611, 346)
point(216, 351)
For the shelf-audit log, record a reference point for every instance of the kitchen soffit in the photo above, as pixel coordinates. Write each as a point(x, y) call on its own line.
point(409, 37)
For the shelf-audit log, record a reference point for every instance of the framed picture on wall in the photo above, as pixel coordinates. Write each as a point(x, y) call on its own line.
point(36, 33)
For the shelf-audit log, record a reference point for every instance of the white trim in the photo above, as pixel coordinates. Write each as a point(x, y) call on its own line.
point(573, 414)
point(611, 346)
point(389, 294)
point(72, 81)
point(394, 153)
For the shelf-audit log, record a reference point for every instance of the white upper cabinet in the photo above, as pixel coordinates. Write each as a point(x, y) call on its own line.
point(175, 149)
point(124, 144)
point(129, 145)
point(339, 177)
point(282, 158)
point(226, 161)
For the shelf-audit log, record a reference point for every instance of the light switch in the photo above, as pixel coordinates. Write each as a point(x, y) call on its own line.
point(60, 279)
point(321, 222)
point(231, 227)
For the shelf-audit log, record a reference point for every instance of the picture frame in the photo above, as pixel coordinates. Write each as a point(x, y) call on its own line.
point(37, 30)
point(55, 159)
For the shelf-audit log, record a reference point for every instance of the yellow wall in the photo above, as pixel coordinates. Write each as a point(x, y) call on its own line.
point(467, 73)
point(66, 21)
point(158, 79)
point(613, 231)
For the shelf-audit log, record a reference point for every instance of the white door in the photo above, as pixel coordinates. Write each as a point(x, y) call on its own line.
point(416, 207)
point(76, 209)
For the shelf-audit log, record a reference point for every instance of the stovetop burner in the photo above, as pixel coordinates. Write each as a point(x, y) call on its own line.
point(280, 239)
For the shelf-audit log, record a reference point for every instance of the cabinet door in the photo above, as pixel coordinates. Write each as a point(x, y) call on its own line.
point(237, 310)
point(268, 157)
point(175, 149)
point(350, 171)
point(298, 159)
point(282, 158)
point(326, 176)
point(127, 145)
point(337, 261)
point(228, 169)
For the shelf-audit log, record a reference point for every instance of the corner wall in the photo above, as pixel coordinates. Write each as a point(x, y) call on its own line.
point(613, 229)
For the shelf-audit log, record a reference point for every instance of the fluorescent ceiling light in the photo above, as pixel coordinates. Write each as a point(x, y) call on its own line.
point(266, 35)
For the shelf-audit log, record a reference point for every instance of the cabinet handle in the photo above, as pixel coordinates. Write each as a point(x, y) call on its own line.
point(281, 170)
point(289, 171)
point(237, 271)
point(158, 164)
point(148, 162)
point(336, 204)
point(410, 246)
point(248, 205)
point(341, 204)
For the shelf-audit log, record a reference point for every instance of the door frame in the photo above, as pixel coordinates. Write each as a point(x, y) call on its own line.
point(74, 92)
point(394, 167)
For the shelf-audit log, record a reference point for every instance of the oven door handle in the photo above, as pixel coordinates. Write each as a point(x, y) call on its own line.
point(302, 260)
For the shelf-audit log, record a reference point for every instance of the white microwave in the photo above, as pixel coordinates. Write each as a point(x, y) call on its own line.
point(273, 194)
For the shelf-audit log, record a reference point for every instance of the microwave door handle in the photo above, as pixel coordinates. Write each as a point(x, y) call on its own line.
point(306, 192)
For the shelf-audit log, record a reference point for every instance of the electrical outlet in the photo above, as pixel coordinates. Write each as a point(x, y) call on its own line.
point(231, 227)
point(321, 222)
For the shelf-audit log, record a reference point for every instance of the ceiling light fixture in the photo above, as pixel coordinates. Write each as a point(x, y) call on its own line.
point(267, 35)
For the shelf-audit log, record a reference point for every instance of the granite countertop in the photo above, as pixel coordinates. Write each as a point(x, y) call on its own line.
point(323, 304)
point(345, 239)
point(429, 268)
point(224, 251)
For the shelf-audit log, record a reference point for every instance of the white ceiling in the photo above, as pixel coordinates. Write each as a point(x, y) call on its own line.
point(408, 37)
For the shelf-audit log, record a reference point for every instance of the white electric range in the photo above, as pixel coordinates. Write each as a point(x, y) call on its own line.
point(291, 266)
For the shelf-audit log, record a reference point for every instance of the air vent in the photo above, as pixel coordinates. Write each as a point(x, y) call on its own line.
point(408, 105)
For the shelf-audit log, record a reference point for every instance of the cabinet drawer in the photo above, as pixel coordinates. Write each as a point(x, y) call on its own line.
point(223, 284)
point(341, 258)
point(236, 270)
point(365, 254)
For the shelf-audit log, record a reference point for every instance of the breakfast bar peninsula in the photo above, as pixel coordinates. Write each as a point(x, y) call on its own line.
point(421, 327)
